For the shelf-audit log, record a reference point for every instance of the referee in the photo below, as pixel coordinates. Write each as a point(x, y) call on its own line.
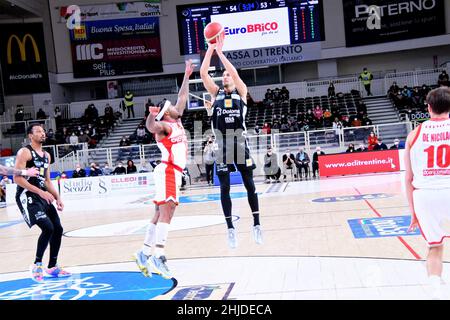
point(228, 124)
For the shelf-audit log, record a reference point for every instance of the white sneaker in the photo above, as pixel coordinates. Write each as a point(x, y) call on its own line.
point(232, 240)
point(257, 234)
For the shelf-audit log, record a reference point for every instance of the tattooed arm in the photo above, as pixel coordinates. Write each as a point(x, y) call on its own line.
point(7, 171)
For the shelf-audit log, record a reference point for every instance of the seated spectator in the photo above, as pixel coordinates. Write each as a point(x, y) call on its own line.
point(103, 129)
point(268, 97)
point(424, 90)
point(396, 144)
point(351, 148)
point(90, 114)
point(345, 121)
point(272, 170)
point(5, 180)
point(362, 148)
point(78, 172)
point(284, 94)
point(380, 145)
point(63, 176)
point(265, 128)
point(120, 169)
point(302, 163)
point(331, 90)
point(372, 141)
point(83, 138)
point(144, 167)
point(337, 126)
point(443, 79)
point(315, 161)
point(284, 127)
point(256, 130)
point(327, 118)
point(276, 94)
point(50, 137)
point(58, 116)
point(288, 163)
point(124, 152)
point(95, 170)
point(73, 139)
point(131, 168)
point(140, 133)
point(393, 89)
point(40, 115)
point(106, 170)
point(318, 116)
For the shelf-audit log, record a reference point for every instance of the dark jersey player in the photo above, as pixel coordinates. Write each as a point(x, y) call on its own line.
point(35, 197)
point(228, 124)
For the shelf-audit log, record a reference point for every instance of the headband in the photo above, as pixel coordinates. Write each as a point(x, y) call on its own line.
point(163, 110)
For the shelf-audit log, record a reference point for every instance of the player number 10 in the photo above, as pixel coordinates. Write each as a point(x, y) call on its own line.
point(442, 157)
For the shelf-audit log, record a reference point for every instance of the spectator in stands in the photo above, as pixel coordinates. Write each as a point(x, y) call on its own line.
point(129, 104)
point(315, 161)
point(73, 140)
point(50, 137)
point(331, 90)
point(288, 163)
point(271, 169)
point(5, 180)
point(90, 114)
point(19, 115)
point(380, 145)
point(284, 127)
point(284, 93)
point(144, 167)
point(63, 176)
point(362, 148)
point(40, 115)
point(318, 116)
point(268, 96)
point(337, 126)
point(120, 169)
point(424, 90)
point(416, 98)
point(393, 89)
point(345, 121)
point(140, 133)
point(58, 116)
point(250, 101)
point(407, 94)
point(351, 148)
point(408, 114)
point(366, 77)
point(148, 104)
point(131, 168)
point(209, 158)
point(276, 94)
point(396, 144)
point(372, 141)
point(443, 79)
point(256, 130)
point(302, 162)
point(79, 172)
point(327, 122)
point(109, 115)
point(95, 170)
point(83, 138)
point(106, 170)
point(124, 142)
point(357, 131)
point(266, 128)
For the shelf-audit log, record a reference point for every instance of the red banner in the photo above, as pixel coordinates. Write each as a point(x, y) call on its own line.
point(359, 162)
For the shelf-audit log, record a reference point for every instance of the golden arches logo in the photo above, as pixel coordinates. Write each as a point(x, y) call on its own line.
point(21, 44)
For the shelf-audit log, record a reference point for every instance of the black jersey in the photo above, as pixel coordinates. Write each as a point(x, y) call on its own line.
point(229, 111)
point(42, 164)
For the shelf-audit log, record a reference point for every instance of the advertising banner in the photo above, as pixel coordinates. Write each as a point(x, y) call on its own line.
point(107, 48)
point(377, 21)
point(359, 162)
point(22, 59)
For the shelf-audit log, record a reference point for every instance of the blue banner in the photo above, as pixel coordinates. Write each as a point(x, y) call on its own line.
point(382, 227)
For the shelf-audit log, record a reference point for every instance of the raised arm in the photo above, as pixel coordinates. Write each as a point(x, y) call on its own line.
point(208, 82)
point(240, 85)
point(155, 127)
point(184, 90)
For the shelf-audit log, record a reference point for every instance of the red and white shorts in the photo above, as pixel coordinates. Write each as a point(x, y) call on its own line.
point(167, 183)
point(433, 213)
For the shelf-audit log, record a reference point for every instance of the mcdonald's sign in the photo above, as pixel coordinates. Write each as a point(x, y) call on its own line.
point(22, 59)
point(21, 44)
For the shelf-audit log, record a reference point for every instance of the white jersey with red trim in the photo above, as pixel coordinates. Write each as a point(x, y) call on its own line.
point(174, 146)
point(430, 155)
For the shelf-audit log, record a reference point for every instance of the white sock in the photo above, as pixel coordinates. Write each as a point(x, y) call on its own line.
point(162, 231)
point(435, 282)
point(149, 240)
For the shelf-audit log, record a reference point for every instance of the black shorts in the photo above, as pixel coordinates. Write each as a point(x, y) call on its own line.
point(34, 208)
point(233, 154)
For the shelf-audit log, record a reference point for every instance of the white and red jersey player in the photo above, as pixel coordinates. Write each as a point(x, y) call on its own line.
point(429, 152)
point(168, 173)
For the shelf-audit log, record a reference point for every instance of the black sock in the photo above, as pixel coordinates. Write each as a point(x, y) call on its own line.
point(256, 219)
point(229, 222)
point(38, 260)
point(52, 262)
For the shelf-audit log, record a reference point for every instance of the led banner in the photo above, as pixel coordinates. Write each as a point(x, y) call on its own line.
point(107, 48)
point(377, 21)
point(22, 59)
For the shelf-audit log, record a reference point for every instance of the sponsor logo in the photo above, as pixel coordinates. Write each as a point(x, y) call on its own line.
point(21, 44)
point(397, 8)
point(355, 197)
point(74, 19)
point(381, 227)
point(219, 291)
point(79, 33)
point(89, 286)
point(91, 51)
point(250, 28)
point(77, 186)
point(129, 182)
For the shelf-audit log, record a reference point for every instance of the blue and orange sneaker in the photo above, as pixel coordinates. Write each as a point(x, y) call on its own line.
point(57, 272)
point(37, 272)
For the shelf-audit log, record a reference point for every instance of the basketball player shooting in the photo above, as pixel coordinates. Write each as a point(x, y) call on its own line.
point(164, 121)
point(427, 181)
point(228, 124)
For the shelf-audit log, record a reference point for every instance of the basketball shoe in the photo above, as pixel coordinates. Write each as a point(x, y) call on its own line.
point(232, 239)
point(37, 272)
point(141, 261)
point(159, 266)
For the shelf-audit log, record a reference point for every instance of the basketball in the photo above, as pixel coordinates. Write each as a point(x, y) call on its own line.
point(212, 31)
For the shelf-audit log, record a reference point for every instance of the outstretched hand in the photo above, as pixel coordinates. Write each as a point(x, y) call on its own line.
point(153, 111)
point(189, 68)
point(219, 42)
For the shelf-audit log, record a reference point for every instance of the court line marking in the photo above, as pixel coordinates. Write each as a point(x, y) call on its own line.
point(410, 249)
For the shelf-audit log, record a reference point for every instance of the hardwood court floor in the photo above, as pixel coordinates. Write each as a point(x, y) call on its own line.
point(309, 250)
